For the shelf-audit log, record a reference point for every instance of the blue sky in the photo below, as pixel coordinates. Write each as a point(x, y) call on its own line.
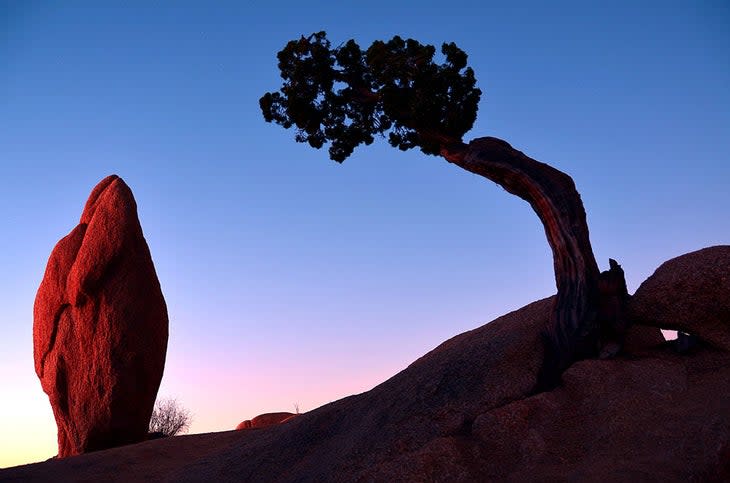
point(292, 279)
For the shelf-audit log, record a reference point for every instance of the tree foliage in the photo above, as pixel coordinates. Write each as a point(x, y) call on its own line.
point(347, 96)
point(169, 418)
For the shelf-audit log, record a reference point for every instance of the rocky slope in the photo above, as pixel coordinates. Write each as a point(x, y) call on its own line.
point(464, 412)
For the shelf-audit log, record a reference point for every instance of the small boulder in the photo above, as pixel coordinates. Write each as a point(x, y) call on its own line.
point(100, 326)
point(266, 419)
point(691, 294)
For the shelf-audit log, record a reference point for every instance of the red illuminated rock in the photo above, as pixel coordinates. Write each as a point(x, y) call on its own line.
point(264, 420)
point(100, 326)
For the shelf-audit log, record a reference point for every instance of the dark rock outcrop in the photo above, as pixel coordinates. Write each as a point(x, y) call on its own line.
point(265, 420)
point(100, 326)
point(690, 293)
point(641, 337)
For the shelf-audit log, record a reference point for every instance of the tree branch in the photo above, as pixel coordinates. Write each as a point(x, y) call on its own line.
point(573, 331)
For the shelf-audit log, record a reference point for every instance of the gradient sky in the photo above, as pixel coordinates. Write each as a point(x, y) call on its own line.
point(292, 279)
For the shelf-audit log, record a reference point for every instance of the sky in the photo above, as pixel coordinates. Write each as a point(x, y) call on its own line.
point(291, 279)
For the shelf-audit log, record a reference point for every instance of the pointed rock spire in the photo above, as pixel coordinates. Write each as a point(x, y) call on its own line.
point(100, 326)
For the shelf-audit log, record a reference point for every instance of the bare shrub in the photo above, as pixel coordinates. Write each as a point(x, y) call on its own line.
point(169, 418)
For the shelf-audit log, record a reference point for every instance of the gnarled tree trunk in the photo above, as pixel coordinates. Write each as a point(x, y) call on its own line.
point(574, 329)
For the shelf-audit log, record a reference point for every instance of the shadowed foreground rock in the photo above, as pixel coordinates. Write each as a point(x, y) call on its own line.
point(464, 412)
point(100, 326)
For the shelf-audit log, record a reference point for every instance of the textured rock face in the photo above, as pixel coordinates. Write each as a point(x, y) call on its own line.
point(264, 420)
point(690, 293)
point(100, 326)
point(659, 418)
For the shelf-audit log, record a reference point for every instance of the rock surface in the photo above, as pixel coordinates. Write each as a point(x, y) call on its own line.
point(100, 326)
point(464, 412)
point(690, 293)
point(641, 337)
point(265, 420)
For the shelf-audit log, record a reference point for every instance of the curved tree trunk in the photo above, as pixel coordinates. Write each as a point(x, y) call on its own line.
point(573, 332)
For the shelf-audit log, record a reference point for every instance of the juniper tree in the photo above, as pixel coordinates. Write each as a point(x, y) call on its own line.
point(344, 96)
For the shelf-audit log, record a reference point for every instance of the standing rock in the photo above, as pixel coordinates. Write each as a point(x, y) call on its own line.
point(100, 326)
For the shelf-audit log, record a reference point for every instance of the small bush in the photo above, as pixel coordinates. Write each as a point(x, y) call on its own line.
point(169, 418)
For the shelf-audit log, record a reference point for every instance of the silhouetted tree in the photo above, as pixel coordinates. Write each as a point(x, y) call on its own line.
point(345, 96)
point(169, 418)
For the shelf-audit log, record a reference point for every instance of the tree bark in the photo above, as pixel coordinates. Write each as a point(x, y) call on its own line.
point(573, 332)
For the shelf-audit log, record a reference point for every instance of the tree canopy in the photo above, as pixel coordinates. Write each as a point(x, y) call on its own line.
point(346, 96)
